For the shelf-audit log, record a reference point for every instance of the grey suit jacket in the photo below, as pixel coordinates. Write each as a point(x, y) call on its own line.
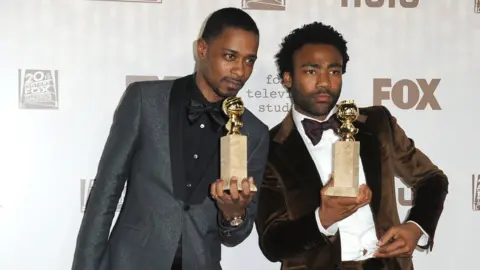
point(142, 149)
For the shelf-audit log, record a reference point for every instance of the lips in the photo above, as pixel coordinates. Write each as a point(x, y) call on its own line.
point(234, 84)
point(322, 98)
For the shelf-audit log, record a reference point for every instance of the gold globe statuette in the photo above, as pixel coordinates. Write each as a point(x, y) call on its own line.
point(233, 146)
point(346, 153)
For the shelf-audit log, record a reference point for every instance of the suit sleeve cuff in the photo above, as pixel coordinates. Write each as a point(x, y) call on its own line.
point(330, 231)
point(423, 241)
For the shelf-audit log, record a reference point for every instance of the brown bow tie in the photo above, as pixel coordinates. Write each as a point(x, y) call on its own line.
point(314, 129)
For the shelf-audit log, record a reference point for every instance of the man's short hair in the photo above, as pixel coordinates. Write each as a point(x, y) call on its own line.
point(228, 18)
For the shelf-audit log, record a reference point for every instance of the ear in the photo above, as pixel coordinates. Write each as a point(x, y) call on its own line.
point(202, 48)
point(287, 80)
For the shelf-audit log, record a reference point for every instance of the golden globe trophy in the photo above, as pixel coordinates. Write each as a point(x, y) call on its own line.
point(346, 153)
point(233, 146)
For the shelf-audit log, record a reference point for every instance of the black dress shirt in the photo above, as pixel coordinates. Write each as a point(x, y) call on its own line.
point(201, 139)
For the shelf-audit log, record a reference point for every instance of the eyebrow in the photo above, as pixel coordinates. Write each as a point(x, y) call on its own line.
point(236, 52)
point(333, 65)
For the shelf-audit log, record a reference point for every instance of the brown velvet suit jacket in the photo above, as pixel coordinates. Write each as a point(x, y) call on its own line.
point(290, 192)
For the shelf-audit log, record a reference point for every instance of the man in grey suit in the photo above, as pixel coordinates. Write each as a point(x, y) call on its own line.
point(164, 142)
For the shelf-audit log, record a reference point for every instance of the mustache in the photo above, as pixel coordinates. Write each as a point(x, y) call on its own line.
point(324, 91)
point(233, 80)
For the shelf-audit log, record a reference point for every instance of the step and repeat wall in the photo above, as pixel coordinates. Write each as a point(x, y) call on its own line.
point(65, 64)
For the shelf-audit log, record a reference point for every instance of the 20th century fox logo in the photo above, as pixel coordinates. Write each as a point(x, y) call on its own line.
point(476, 192)
point(38, 89)
point(85, 188)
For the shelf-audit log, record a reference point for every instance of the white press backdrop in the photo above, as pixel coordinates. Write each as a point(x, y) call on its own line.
point(64, 65)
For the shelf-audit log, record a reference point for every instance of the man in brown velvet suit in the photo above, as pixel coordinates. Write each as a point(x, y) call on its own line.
point(304, 229)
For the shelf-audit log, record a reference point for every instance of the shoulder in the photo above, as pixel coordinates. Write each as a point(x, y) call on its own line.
point(374, 114)
point(253, 125)
point(149, 87)
point(273, 131)
point(377, 119)
point(372, 110)
point(157, 86)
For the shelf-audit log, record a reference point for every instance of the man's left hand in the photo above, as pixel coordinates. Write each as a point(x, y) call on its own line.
point(399, 241)
point(234, 204)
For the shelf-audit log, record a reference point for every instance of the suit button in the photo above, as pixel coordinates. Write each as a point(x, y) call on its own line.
point(186, 207)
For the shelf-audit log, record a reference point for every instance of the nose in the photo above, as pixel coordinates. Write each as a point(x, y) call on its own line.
point(238, 70)
point(323, 80)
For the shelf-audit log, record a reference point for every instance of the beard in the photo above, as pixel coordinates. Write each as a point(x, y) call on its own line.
point(223, 93)
point(230, 92)
point(309, 105)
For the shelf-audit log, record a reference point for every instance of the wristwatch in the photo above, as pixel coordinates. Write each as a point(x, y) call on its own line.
point(236, 221)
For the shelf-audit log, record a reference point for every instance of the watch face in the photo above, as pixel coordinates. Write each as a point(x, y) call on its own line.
point(236, 221)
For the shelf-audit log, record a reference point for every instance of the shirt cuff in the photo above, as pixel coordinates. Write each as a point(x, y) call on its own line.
point(330, 231)
point(423, 241)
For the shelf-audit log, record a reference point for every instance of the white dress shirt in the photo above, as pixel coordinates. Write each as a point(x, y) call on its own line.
point(357, 231)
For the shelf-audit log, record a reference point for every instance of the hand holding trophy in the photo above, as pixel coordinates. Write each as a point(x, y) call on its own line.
point(233, 192)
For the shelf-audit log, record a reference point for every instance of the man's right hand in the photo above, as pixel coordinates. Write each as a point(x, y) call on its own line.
point(334, 209)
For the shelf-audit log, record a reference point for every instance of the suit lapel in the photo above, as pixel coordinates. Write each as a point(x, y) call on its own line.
point(176, 135)
point(301, 176)
point(370, 155)
point(296, 154)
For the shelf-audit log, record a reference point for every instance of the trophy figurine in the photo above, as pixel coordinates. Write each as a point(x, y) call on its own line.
point(346, 153)
point(233, 146)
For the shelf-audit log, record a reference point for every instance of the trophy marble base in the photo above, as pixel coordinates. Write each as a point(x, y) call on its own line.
point(346, 158)
point(342, 192)
point(233, 159)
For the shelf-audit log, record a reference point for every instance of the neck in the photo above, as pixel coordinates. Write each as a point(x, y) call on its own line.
point(206, 89)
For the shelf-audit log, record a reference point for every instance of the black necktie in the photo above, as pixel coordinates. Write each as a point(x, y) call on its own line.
point(314, 129)
point(196, 109)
